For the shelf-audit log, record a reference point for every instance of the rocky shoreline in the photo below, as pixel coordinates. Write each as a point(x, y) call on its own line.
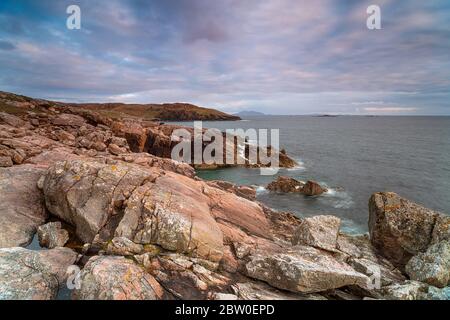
point(105, 199)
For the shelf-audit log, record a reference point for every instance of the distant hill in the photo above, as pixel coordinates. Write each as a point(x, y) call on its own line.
point(249, 114)
point(165, 111)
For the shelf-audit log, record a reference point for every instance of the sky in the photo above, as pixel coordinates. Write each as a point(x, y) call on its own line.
point(271, 56)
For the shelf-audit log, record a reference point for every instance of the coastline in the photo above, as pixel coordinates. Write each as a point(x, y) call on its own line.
point(136, 225)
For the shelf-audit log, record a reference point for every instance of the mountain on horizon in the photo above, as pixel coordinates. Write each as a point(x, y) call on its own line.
point(249, 113)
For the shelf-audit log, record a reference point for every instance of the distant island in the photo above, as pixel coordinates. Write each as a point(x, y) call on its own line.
point(249, 113)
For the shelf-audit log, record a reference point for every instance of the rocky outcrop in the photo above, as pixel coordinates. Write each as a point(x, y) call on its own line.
point(51, 235)
point(400, 228)
point(147, 228)
point(116, 278)
point(303, 269)
point(312, 188)
point(291, 185)
point(285, 184)
point(432, 266)
point(319, 231)
point(21, 206)
point(33, 275)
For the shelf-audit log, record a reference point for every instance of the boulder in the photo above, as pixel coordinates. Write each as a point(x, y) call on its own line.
point(319, 231)
point(86, 194)
point(285, 184)
point(33, 275)
point(121, 246)
point(116, 278)
point(116, 150)
point(66, 137)
point(432, 266)
point(357, 251)
point(260, 291)
point(11, 120)
point(400, 228)
point(21, 205)
point(173, 212)
point(185, 277)
point(66, 119)
point(6, 162)
point(441, 230)
point(412, 290)
point(312, 188)
point(303, 269)
point(142, 205)
point(51, 235)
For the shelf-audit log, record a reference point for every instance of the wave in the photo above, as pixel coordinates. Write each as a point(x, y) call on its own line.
point(261, 190)
point(299, 167)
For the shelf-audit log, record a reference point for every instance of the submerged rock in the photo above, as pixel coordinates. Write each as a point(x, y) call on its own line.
point(33, 275)
point(116, 278)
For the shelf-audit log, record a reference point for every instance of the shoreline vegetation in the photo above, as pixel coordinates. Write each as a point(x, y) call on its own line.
point(118, 219)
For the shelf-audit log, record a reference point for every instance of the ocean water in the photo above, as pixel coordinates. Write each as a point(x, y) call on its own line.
point(354, 156)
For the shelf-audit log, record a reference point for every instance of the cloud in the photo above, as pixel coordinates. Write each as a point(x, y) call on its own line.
point(277, 56)
point(390, 109)
point(5, 45)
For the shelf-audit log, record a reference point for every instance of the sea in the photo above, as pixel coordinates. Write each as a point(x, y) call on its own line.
point(354, 157)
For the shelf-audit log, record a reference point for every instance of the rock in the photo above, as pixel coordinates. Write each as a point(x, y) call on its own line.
point(66, 137)
point(11, 120)
point(399, 228)
point(66, 119)
point(124, 247)
point(120, 142)
point(319, 231)
point(407, 291)
point(6, 162)
point(312, 188)
point(116, 278)
point(285, 184)
point(441, 230)
point(85, 193)
point(21, 206)
point(116, 150)
point(303, 269)
point(99, 146)
point(172, 212)
point(412, 290)
point(246, 192)
point(432, 266)
point(224, 296)
point(143, 205)
point(359, 253)
point(51, 235)
point(261, 291)
point(185, 277)
point(33, 275)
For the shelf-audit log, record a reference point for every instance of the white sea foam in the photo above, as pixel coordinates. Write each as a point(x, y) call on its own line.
point(261, 190)
point(299, 167)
